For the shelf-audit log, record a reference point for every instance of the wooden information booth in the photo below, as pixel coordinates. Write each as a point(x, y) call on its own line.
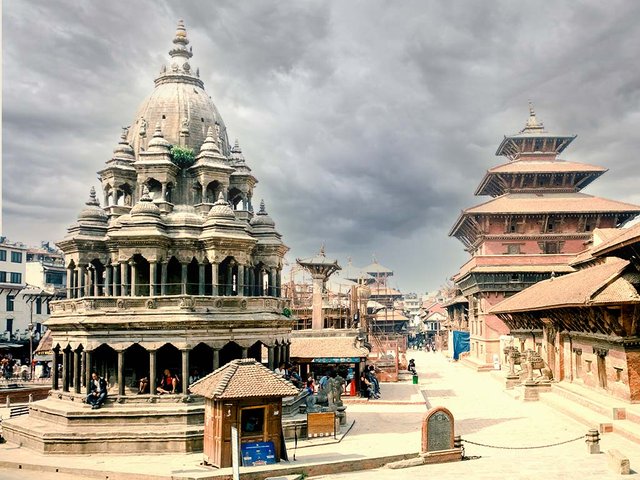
point(247, 395)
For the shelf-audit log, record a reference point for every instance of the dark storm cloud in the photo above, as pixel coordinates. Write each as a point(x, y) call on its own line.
point(368, 124)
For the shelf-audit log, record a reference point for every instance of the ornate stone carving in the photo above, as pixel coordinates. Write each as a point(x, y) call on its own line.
point(151, 303)
point(120, 304)
point(218, 304)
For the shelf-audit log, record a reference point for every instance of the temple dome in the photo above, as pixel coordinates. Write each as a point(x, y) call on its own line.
point(262, 218)
point(179, 104)
point(184, 215)
point(93, 212)
point(221, 210)
point(145, 206)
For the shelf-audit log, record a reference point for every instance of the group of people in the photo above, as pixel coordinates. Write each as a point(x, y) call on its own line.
point(369, 384)
point(289, 372)
point(169, 384)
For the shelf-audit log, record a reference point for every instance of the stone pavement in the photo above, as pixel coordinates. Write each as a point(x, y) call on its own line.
point(483, 412)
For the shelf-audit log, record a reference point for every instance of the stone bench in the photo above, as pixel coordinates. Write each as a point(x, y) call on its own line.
point(618, 462)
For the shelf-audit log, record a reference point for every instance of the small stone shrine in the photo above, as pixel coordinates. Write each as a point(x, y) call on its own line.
point(247, 395)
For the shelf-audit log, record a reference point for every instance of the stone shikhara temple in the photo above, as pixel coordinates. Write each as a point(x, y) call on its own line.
point(536, 222)
point(174, 271)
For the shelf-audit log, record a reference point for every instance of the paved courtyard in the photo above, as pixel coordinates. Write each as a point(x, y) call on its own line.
point(484, 413)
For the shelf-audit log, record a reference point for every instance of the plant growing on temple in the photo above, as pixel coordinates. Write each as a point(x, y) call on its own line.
point(182, 156)
point(286, 312)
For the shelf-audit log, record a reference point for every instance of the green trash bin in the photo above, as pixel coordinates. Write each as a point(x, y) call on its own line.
point(415, 379)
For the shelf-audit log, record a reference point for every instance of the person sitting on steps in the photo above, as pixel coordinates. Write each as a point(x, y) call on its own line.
point(97, 391)
point(169, 383)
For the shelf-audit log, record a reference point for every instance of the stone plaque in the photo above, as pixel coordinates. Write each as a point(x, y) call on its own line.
point(437, 430)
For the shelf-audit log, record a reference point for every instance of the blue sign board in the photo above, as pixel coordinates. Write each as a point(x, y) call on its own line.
point(258, 453)
point(336, 360)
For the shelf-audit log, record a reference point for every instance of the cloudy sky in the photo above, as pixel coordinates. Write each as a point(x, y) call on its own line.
point(368, 124)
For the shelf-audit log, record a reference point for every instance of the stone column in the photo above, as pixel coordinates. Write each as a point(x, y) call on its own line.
point(185, 371)
point(116, 280)
point(108, 280)
point(287, 350)
point(77, 383)
point(240, 282)
point(216, 358)
point(272, 282)
point(251, 282)
point(184, 278)
point(88, 357)
point(276, 356)
point(134, 275)
point(279, 282)
point(214, 279)
point(65, 370)
point(88, 284)
point(69, 282)
point(96, 282)
point(317, 315)
point(245, 352)
point(164, 192)
point(152, 372)
point(201, 279)
point(229, 285)
point(152, 278)
point(121, 372)
point(81, 281)
point(271, 358)
point(54, 369)
point(124, 279)
point(164, 266)
point(246, 281)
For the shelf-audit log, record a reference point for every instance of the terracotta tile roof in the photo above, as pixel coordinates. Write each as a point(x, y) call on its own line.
point(581, 288)
point(395, 315)
point(46, 342)
point(384, 291)
point(552, 202)
point(455, 301)
point(326, 347)
point(243, 378)
point(625, 237)
point(544, 166)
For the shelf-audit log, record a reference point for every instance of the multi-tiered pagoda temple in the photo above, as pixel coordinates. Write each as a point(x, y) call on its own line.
point(174, 271)
point(536, 222)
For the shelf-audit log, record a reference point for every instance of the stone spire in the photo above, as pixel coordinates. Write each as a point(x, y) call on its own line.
point(158, 142)
point(93, 199)
point(180, 41)
point(533, 125)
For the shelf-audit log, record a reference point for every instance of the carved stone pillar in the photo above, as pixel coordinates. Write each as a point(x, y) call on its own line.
point(185, 371)
point(271, 358)
point(69, 282)
point(134, 275)
point(152, 278)
point(121, 372)
point(201, 279)
point(108, 280)
point(184, 278)
point(164, 266)
point(152, 372)
point(81, 281)
point(164, 192)
point(54, 369)
point(278, 282)
point(124, 279)
point(216, 358)
point(88, 358)
point(77, 362)
point(214, 279)
point(245, 352)
point(276, 356)
point(88, 287)
point(240, 281)
point(116, 280)
point(287, 349)
point(272, 282)
point(97, 281)
point(65, 370)
point(228, 287)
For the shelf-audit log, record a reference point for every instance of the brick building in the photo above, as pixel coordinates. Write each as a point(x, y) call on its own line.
point(537, 220)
